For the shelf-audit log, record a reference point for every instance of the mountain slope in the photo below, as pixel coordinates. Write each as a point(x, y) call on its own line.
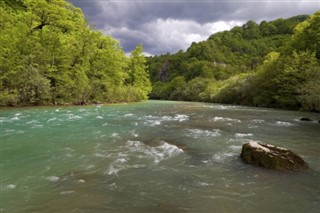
point(246, 65)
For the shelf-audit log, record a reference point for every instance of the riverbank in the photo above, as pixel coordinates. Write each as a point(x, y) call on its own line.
point(69, 104)
point(124, 102)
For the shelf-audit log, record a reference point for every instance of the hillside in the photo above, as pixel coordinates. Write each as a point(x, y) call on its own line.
point(270, 64)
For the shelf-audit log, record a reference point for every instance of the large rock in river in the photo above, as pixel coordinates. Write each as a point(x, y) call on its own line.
point(272, 157)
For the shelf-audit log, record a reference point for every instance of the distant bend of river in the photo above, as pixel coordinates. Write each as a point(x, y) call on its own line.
point(155, 156)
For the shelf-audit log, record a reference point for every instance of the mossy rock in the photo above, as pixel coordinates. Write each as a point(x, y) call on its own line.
point(272, 157)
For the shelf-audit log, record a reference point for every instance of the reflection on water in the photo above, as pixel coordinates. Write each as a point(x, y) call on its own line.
point(156, 156)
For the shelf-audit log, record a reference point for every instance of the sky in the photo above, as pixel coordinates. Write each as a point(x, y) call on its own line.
point(165, 26)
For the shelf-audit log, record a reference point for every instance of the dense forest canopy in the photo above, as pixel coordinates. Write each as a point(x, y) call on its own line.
point(271, 64)
point(49, 54)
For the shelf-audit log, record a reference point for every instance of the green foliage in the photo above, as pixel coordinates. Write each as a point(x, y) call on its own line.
point(194, 89)
point(199, 68)
point(235, 90)
point(271, 64)
point(48, 54)
point(138, 75)
point(310, 91)
point(34, 88)
point(307, 36)
point(291, 75)
point(263, 86)
point(174, 90)
point(14, 4)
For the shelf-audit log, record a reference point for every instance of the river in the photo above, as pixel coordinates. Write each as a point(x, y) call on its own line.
point(154, 156)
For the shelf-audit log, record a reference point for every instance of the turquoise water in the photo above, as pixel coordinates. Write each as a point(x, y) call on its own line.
point(156, 156)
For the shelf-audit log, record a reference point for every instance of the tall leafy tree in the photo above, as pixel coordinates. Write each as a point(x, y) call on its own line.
point(138, 73)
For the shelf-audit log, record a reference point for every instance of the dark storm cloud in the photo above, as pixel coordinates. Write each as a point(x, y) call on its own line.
point(167, 26)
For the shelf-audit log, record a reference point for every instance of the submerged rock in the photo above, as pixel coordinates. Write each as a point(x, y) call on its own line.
point(305, 119)
point(272, 157)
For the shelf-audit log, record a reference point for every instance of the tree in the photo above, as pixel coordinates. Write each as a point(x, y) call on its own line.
point(199, 68)
point(138, 73)
point(310, 91)
point(307, 36)
point(50, 44)
point(35, 88)
point(195, 87)
point(291, 76)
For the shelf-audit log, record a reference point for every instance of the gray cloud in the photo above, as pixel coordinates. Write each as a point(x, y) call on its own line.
point(168, 26)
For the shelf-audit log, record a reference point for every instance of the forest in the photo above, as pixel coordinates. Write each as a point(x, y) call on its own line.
point(50, 55)
point(271, 64)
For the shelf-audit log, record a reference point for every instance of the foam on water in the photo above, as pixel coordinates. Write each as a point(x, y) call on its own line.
point(113, 186)
point(112, 170)
point(128, 115)
point(33, 122)
point(91, 166)
point(196, 133)
point(69, 155)
point(115, 135)
point(72, 117)
point(51, 119)
point(203, 184)
point(4, 119)
point(81, 181)
point(283, 123)
point(152, 123)
point(69, 149)
point(67, 192)
point(134, 134)
point(53, 178)
point(152, 120)
point(99, 155)
point(99, 117)
point(235, 148)
point(257, 121)
point(37, 126)
point(11, 186)
point(165, 118)
point(162, 152)
point(242, 135)
point(119, 163)
point(15, 118)
point(180, 117)
point(221, 157)
point(232, 151)
point(121, 160)
point(222, 119)
point(219, 107)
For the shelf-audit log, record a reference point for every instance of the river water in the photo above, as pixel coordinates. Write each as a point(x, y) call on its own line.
point(155, 156)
